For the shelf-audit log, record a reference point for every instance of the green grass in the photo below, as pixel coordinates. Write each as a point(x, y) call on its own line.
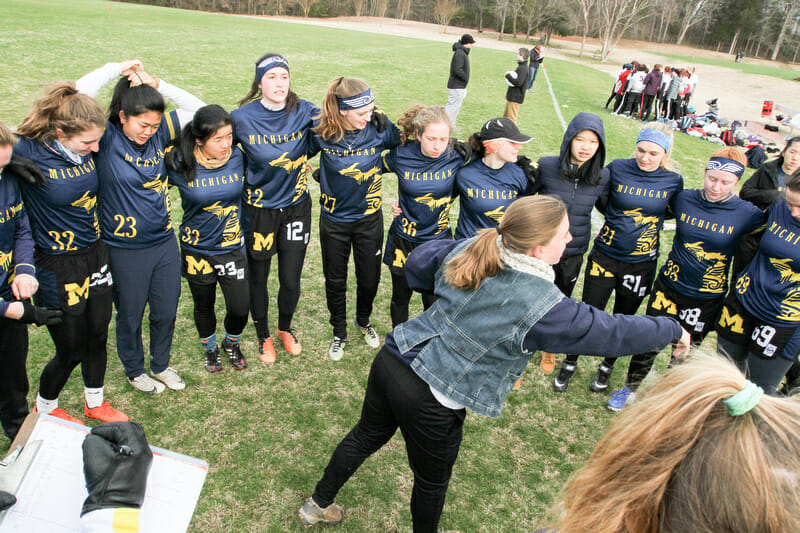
point(267, 432)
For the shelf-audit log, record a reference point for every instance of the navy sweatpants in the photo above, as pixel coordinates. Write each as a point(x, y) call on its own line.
point(145, 276)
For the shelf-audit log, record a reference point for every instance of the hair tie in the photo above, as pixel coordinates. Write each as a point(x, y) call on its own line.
point(743, 401)
point(70, 92)
point(498, 230)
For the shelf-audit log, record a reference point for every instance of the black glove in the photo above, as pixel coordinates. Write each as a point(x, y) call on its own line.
point(6, 500)
point(463, 149)
point(26, 170)
point(116, 461)
point(315, 175)
point(41, 316)
point(379, 120)
point(531, 172)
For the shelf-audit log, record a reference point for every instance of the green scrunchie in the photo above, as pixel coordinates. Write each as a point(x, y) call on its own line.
point(744, 400)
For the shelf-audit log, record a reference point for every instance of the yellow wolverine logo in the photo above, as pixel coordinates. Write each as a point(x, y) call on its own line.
point(287, 164)
point(86, 201)
point(353, 172)
point(714, 276)
point(301, 186)
point(647, 240)
point(790, 306)
point(433, 204)
point(373, 196)
point(231, 235)
point(76, 293)
point(5, 260)
point(158, 185)
point(220, 211)
point(496, 214)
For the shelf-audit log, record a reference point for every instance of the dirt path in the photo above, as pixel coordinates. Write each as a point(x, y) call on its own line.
point(740, 95)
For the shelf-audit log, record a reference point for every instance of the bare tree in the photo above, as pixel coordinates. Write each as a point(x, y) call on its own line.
point(532, 9)
point(615, 17)
point(585, 7)
point(516, 7)
point(379, 7)
point(501, 7)
point(358, 7)
point(695, 12)
point(306, 6)
point(403, 9)
point(444, 10)
point(790, 7)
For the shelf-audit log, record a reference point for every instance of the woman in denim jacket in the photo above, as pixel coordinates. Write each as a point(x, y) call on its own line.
point(496, 305)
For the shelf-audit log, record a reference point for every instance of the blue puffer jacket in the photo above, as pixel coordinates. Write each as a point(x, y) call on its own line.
point(557, 177)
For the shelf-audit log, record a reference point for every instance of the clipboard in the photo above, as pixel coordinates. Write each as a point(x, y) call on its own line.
point(51, 486)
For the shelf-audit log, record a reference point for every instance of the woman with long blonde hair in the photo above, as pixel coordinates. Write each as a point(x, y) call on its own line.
point(496, 305)
point(703, 450)
point(624, 257)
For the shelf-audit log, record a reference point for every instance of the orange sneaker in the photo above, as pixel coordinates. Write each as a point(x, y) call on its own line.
point(266, 351)
point(105, 412)
point(548, 363)
point(517, 384)
point(290, 342)
point(63, 415)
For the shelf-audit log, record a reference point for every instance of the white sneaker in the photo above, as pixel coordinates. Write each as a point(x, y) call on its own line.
point(336, 351)
point(370, 335)
point(146, 384)
point(170, 378)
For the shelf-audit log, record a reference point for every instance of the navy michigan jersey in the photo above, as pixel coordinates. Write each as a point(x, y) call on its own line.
point(134, 201)
point(277, 145)
point(350, 172)
point(16, 243)
point(637, 204)
point(211, 204)
point(706, 236)
point(63, 210)
point(425, 186)
point(769, 287)
point(485, 194)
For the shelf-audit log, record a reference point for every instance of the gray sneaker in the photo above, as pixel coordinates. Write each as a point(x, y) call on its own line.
point(311, 514)
point(146, 384)
point(370, 335)
point(336, 351)
point(170, 378)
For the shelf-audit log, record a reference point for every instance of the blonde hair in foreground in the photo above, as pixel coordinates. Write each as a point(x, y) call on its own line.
point(6, 136)
point(331, 124)
point(667, 163)
point(528, 222)
point(676, 461)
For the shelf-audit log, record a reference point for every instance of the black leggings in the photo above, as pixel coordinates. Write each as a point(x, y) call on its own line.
point(290, 267)
point(401, 296)
point(13, 378)
point(236, 307)
point(79, 339)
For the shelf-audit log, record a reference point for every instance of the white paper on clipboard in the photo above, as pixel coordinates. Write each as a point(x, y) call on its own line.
point(53, 491)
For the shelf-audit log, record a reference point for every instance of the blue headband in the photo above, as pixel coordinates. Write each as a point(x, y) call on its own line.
point(728, 165)
point(654, 136)
point(356, 101)
point(744, 400)
point(269, 64)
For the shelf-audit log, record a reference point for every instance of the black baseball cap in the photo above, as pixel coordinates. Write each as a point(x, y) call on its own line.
point(503, 128)
point(467, 39)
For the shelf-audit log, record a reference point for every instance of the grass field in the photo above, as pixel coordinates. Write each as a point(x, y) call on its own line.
point(267, 432)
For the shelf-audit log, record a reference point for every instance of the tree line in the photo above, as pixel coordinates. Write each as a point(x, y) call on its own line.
point(759, 28)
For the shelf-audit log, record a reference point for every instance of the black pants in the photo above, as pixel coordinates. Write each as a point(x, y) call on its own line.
point(13, 378)
point(397, 397)
point(236, 307)
point(613, 94)
point(766, 373)
point(567, 271)
point(79, 339)
point(632, 103)
point(647, 104)
point(401, 296)
point(365, 238)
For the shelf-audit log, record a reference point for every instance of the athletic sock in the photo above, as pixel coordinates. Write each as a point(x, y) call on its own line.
point(94, 397)
point(45, 406)
point(231, 340)
point(210, 342)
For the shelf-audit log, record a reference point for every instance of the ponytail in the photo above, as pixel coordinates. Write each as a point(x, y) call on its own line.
point(62, 107)
point(331, 125)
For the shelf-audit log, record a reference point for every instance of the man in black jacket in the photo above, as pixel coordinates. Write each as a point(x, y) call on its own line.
point(459, 76)
point(517, 84)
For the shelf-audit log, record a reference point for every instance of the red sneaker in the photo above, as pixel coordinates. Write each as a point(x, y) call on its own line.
point(290, 342)
point(105, 412)
point(63, 415)
point(266, 351)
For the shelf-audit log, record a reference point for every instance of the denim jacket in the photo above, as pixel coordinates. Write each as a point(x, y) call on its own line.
point(474, 352)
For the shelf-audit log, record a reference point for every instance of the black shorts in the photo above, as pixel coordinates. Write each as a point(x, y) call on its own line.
point(740, 327)
point(628, 279)
point(68, 280)
point(698, 317)
point(398, 248)
point(208, 269)
point(268, 231)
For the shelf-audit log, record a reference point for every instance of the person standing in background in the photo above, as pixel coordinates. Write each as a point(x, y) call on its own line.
point(652, 83)
point(517, 81)
point(536, 58)
point(459, 76)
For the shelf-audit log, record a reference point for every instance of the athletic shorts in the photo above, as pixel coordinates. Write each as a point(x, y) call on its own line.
point(740, 327)
point(208, 269)
point(269, 230)
point(68, 280)
point(635, 278)
point(397, 250)
point(698, 317)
